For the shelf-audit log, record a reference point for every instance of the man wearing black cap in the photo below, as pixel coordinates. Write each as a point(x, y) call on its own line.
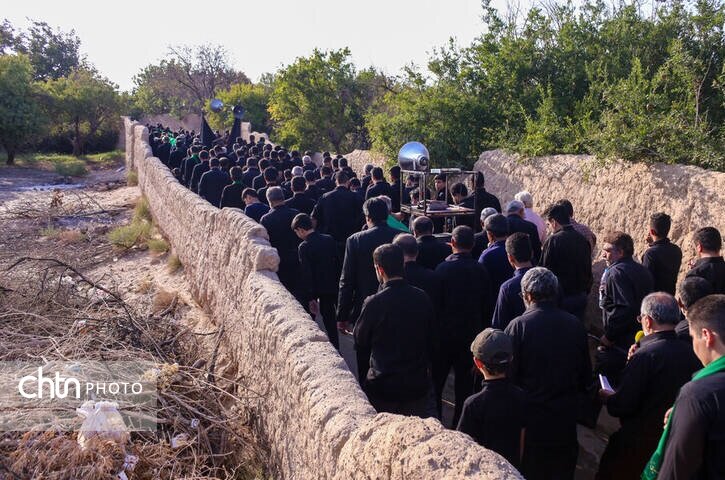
point(494, 417)
point(395, 329)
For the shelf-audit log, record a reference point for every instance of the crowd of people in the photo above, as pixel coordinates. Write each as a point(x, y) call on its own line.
point(500, 302)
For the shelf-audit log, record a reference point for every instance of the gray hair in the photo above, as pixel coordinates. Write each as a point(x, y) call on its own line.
point(661, 307)
point(387, 201)
point(514, 206)
point(297, 171)
point(487, 212)
point(275, 194)
point(526, 198)
point(541, 284)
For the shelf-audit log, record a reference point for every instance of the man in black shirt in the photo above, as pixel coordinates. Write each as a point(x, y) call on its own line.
point(710, 264)
point(647, 387)
point(689, 291)
point(551, 363)
point(326, 184)
point(271, 177)
point(495, 416)
point(277, 222)
point(626, 283)
point(395, 328)
point(465, 311)
point(431, 251)
point(568, 255)
point(319, 267)
point(339, 213)
point(694, 445)
point(416, 274)
point(379, 185)
point(300, 201)
point(258, 182)
point(515, 217)
point(212, 183)
point(395, 188)
point(481, 237)
point(312, 191)
point(198, 170)
point(251, 172)
point(662, 258)
point(232, 194)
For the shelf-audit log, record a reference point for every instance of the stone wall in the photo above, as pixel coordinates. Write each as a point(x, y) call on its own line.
point(312, 412)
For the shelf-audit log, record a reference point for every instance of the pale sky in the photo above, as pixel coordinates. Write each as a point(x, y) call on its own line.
point(121, 37)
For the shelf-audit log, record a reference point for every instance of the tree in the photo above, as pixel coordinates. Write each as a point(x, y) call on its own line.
point(82, 104)
point(254, 100)
point(316, 102)
point(21, 118)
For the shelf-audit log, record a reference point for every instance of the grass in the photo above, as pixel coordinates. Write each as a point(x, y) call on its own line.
point(50, 232)
point(174, 263)
point(131, 178)
point(142, 210)
point(158, 245)
point(68, 165)
point(136, 233)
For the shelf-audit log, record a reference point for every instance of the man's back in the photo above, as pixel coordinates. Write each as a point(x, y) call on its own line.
point(551, 363)
point(211, 185)
point(199, 170)
point(431, 251)
point(339, 213)
point(319, 264)
point(495, 259)
point(568, 255)
point(711, 269)
point(377, 189)
point(256, 211)
point(232, 196)
point(518, 224)
point(395, 326)
point(249, 176)
point(325, 184)
point(695, 446)
point(425, 279)
point(627, 283)
point(300, 201)
point(663, 259)
point(278, 224)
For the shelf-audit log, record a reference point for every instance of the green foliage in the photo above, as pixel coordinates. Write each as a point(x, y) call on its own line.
point(131, 178)
point(316, 102)
point(136, 233)
point(544, 133)
point(142, 211)
point(82, 105)
point(254, 99)
point(173, 263)
point(71, 168)
point(20, 111)
point(158, 245)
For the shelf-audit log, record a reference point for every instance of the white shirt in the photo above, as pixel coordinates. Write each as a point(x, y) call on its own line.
point(534, 218)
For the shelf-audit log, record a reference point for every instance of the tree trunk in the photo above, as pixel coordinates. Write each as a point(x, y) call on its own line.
point(77, 139)
point(11, 156)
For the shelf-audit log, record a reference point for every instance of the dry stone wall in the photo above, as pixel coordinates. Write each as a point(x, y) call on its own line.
point(318, 422)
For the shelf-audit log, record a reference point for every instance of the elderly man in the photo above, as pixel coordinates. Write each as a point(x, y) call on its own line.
point(283, 238)
point(691, 445)
point(481, 238)
point(530, 215)
point(515, 212)
point(551, 363)
point(648, 386)
point(710, 264)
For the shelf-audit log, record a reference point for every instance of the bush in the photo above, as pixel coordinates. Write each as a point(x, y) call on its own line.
point(142, 210)
point(128, 236)
point(131, 178)
point(174, 263)
point(71, 168)
point(158, 245)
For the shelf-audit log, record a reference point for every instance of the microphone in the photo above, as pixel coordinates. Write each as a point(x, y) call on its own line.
point(638, 336)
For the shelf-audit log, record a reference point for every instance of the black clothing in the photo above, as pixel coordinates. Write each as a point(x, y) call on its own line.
point(465, 311)
point(627, 283)
point(395, 327)
point(480, 244)
point(199, 170)
point(551, 363)
point(494, 418)
point(212, 184)
point(431, 251)
point(249, 176)
point(696, 445)
point(663, 259)
point(258, 182)
point(188, 171)
point(568, 255)
point(325, 184)
point(318, 266)
point(647, 389)
point(339, 213)
point(163, 151)
point(277, 222)
point(711, 269)
point(518, 224)
point(683, 331)
point(262, 192)
point(175, 158)
point(365, 182)
point(300, 201)
point(377, 189)
point(358, 280)
point(485, 199)
point(256, 210)
point(425, 279)
point(313, 192)
point(395, 196)
point(232, 196)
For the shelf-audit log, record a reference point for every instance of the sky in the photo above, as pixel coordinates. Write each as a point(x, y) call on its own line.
point(122, 37)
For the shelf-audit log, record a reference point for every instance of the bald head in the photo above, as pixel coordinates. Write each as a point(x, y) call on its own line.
point(409, 245)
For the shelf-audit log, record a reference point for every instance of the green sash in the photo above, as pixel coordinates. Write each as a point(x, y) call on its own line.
point(653, 467)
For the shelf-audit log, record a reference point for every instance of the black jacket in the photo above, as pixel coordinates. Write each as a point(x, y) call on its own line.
point(465, 299)
point(358, 279)
point(568, 255)
point(648, 386)
point(188, 169)
point(199, 170)
point(211, 185)
point(278, 224)
point(431, 251)
point(262, 192)
point(339, 213)
point(301, 202)
point(427, 280)
point(395, 196)
point(258, 182)
point(480, 243)
point(711, 269)
point(377, 189)
point(319, 266)
point(484, 199)
point(663, 259)
point(395, 327)
point(313, 192)
point(163, 151)
point(249, 176)
point(325, 184)
point(696, 447)
point(627, 283)
point(551, 363)
point(232, 196)
point(175, 158)
point(518, 224)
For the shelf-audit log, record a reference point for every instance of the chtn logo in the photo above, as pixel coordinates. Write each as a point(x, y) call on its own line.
point(58, 386)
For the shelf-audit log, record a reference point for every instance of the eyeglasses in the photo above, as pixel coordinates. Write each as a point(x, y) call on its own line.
point(640, 317)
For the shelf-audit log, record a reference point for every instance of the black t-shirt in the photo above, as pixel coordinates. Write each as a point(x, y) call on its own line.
point(494, 418)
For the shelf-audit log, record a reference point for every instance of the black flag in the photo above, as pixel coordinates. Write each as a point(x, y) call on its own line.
point(236, 132)
point(207, 135)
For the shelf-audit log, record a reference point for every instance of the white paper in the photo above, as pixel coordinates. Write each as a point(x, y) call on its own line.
point(604, 382)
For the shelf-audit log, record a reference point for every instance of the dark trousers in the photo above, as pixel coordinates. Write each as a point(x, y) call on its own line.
point(423, 407)
point(327, 311)
point(626, 456)
point(549, 462)
point(458, 356)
